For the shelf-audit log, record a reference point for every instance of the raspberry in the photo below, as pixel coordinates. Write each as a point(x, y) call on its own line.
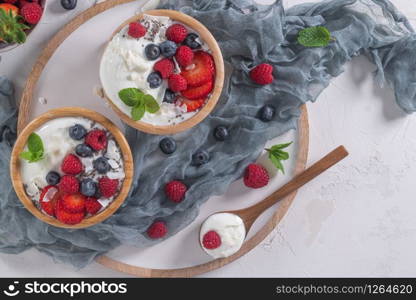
point(165, 67)
point(184, 56)
point(92, 206)
point(73, 203)
point(256, 176)
point(31, 12)
point(69, 184)
point(72, 165)
point(211, 240)
point(96, 139)
point(66, 217)
point(175, 191)
point(157, 230)
point(136, 30)
point(176, 33)
point(262, 74)
point(177, 83)
point(108, 187)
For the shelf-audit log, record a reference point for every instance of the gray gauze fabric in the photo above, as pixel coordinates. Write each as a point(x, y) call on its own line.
point(248, 34)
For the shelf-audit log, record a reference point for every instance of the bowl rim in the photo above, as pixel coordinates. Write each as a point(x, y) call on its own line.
point(71, 112)
point(199, 116)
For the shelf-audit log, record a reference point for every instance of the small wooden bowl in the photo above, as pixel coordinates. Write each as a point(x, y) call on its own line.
point(71, 112)
point(209, 39)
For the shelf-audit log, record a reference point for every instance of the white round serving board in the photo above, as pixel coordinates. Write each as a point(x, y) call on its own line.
point(71, 79)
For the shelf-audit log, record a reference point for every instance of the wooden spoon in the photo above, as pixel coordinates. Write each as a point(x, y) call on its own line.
point(251, 213)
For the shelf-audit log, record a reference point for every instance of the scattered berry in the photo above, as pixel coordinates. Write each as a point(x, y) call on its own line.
point(170, 96)
point(198, 92)
point(136, 30)
point(256, 176)
point(176, 33)
point(221, 133)
point(200, 158)
point(101, 165)
point(203, 69)
point(92, 206)
point(152, 51)
point(83, 150)
point(108, 187)
point(31, 12)
point(96, 139)
point(211, 240)
point(262, 74)
point(69, 184)
point(66, 217)
point(71, 165)
point(266, 113)
point(47, 199)
point(165, 67)
point(167, 145)
point(184, 56)
point(175, 191)
point(168, 48)
point(77, 132)
point(73, 203)
point(192, 105)
point(52, 178)
point(177, 83)
point(155, 80)
point(69, 4)
point(88, 187)
point(191, 41)
point(157, 230)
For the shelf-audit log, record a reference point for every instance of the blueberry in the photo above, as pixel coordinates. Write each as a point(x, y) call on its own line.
point(101, 165)
point(199, 158)
point(53, 178)
point(266, 113)
point(169, 97)
point(221, 133)
point(168, 48)
point(154, 79)
point(77, 132)
point(83, 150)
point(69, 4)
point(191, 42)
point(152, 51)
point(88, 187)
point(167, 145)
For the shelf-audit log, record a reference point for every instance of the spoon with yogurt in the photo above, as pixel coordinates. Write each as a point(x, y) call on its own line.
point(222, 234)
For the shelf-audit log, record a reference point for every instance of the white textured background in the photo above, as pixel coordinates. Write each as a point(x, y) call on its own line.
point(359, 219)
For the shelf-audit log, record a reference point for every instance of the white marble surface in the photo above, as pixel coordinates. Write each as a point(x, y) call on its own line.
point(356, 220)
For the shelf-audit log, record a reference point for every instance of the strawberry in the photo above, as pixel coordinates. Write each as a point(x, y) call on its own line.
point(165, 67)
point(96, 139)
point(184, 56)
point(92, 206)
point(176, 33)
point(203, 69)
point(177, 83)
point(7, 7)
point(157, 230)
point(262, 74)
point(192, 105)
point(48, 199)
point(66, 217)
point(211, 240)
point(175, 191)
point(71, 165)
point(31, 12)
point(198, 92)
point(73, 203)
point(256, 176)
point(69, 184)
point(108, 187)
point(136, 30)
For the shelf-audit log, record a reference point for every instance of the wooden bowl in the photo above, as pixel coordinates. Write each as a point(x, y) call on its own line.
point(71, 112)
point(208, 38)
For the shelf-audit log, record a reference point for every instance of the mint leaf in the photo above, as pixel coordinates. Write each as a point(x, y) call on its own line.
point(151, 104)
point(280, 146)
point(276, 155)
point(318, 36)
point(130, 96)
point(138, 111)
point(34, 143)
point(26, 155)
point(36, 156)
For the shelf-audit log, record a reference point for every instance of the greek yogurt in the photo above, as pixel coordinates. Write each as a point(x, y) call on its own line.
point(231, 231)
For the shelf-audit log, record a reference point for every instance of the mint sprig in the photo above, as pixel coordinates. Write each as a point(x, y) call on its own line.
point(35, 149)
point(317, 36)
point(139, 101)
point(276, 155)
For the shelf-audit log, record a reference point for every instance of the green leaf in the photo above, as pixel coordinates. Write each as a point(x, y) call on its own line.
point(151, 104)
point(138, 111)
point(280, 146)
point(276, 155)
point(130, 96)
point(34, 143)
point(26, 155)
point(318, 36)
point(37, 156)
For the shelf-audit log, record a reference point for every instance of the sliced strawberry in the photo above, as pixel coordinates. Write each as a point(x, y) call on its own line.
point(192, 105)
point(201, 69)
point(48, 199)
point(66, 217)
point(198, 92)
point(74, 203)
